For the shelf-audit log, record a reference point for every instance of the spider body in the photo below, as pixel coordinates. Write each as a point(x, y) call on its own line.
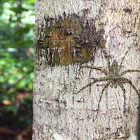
point(114, 73)
point(113, 76)
point(114, 69)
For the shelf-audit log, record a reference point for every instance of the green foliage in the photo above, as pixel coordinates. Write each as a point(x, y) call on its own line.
point(16, 53)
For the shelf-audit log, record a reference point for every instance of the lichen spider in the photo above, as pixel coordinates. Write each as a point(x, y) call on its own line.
point(113, 76)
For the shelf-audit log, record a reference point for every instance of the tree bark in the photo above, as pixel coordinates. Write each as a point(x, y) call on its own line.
point(87, 69)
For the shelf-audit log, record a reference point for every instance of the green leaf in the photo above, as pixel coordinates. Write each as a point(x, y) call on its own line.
point(30, 1)
point(30, 86)
point(9, 108)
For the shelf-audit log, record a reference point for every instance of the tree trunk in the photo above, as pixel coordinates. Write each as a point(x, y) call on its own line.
point(87, 68)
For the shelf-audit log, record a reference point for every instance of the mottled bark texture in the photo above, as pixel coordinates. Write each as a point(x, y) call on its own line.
point(87, 69)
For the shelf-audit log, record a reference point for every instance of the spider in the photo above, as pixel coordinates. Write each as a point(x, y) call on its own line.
point(113, 76)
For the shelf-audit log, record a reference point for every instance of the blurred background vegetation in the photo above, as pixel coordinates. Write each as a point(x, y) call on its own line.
point(16, 67)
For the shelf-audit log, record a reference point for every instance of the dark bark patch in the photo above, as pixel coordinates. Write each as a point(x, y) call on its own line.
point(127, 10)
point(69, 39)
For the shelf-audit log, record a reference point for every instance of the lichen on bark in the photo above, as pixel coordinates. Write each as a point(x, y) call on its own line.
point(69, 39)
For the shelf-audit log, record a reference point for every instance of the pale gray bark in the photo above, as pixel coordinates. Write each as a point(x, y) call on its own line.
point(59, 113)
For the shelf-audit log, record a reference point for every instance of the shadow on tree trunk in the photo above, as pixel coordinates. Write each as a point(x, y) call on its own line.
point(138, 123)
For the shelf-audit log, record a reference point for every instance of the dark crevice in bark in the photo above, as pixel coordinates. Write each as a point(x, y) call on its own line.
point(138, 122)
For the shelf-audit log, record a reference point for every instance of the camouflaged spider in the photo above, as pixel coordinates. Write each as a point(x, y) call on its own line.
point(114, 77)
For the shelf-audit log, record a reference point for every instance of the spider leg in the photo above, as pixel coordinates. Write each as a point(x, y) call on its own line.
point(123, 89)
point(95, 81)
point(124, 57)
point(107, 57)
point(130, 83)
point(126, 71)
point(101, 98)
point(96, 68)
